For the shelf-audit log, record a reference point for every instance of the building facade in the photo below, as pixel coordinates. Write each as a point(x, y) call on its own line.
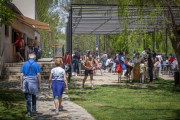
point(26, 15)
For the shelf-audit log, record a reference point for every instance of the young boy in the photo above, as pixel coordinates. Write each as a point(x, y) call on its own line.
point(142, 71)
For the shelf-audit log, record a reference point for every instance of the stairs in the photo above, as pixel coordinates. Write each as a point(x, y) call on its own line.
point(11, 71)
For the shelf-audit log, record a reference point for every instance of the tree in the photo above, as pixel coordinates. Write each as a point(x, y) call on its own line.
point(6, 15)
point(48, 12)
point(173, 26)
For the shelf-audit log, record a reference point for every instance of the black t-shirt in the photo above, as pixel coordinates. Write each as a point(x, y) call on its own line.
point(77, 55)
point(150, 64)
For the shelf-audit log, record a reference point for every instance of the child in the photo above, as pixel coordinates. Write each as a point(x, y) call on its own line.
point(128, 65)
point(142, 71)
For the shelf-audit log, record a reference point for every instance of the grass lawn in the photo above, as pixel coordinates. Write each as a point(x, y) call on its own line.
point(12, 105)
point(159, 101)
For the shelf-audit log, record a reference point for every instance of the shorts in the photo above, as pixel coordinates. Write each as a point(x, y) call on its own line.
point(88, 72)
point(18, 48)
point(57, 96)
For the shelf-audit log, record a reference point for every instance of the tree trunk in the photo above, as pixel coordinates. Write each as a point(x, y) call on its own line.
point(176, 46)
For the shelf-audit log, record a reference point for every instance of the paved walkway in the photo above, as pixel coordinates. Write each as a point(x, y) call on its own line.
point(109, 79)
point(45, 104)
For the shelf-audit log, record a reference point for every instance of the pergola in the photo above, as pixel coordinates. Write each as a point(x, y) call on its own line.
point(104, 20)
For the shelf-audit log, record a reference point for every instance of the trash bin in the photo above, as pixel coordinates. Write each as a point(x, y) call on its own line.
point(176, 78)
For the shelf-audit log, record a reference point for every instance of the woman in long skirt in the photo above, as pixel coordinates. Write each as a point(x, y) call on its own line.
point(58, 81)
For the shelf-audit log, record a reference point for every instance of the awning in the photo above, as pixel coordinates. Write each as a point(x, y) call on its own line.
point(33, 23)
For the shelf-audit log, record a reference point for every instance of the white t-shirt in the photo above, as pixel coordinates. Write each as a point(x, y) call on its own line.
point(174, 64)
point(160, 58)
point(108, 61)
point(143, 53)
point(56, 72)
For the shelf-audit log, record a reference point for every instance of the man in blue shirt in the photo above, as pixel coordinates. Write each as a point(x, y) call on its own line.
point(30, 82)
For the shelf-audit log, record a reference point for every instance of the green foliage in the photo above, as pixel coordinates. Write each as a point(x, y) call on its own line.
point(48, 12)
point(6, 15)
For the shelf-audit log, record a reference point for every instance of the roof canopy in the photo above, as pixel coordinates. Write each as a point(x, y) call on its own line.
point(33, 23)
point(103, 19)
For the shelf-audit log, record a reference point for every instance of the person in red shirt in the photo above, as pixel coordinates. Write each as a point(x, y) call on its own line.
point(67, 59)
point(18, 46)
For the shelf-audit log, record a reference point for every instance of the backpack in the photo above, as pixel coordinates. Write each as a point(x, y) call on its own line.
point(118, 70)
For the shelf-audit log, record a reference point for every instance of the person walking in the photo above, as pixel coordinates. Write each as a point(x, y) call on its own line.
point(58, 81)
point(76, 58)
point(18, 46)
point(67, 60)
point(30, 82)
point(36, 48)
point(150, 64)
point(88, 64)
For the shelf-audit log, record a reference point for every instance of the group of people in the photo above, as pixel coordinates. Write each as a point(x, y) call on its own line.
point(89, 62)
point(31, 79)
point(21, 46)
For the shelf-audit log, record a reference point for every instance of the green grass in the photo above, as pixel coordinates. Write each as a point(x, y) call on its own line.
point(12, 105)
point(159, 101)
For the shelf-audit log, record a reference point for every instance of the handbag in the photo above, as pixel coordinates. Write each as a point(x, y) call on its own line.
point(66, 66)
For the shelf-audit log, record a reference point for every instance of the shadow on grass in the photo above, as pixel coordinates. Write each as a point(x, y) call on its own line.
point(12, 104)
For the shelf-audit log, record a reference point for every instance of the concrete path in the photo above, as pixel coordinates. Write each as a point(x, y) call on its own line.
point(45, 107)
point(45, 104)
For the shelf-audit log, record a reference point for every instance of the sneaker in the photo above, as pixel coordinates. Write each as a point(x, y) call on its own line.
point(76, 74)
point(72, 73)
point(152, 82)
point(149, 82)
point(93, 88)
point(28, 114)
point(56, 111)
point(61, 108)
point(82, 87)
point(34, 112)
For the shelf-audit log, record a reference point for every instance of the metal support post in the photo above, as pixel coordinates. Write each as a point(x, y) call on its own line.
point(154, 43)
point(104, 42)
point(166, 41)
point(71, 33)
point(144, 43)
point(99, 44)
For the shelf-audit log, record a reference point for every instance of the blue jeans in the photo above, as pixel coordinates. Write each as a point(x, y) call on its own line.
point(75, 65)
point(36, 53)
point(28, 102)
point(104, 60)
